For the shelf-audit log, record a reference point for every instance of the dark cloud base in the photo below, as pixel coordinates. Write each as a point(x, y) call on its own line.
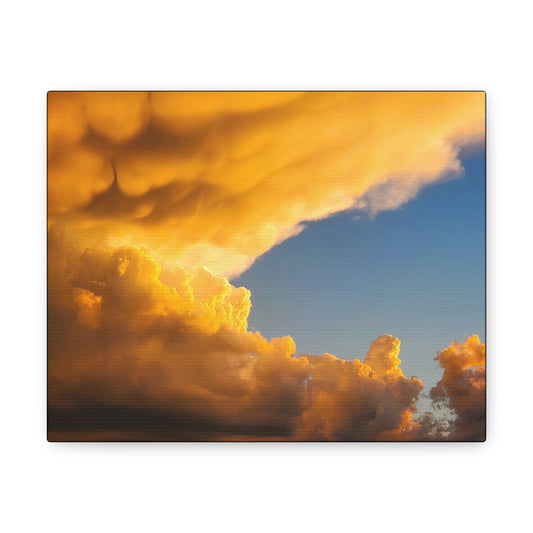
point(99, 422)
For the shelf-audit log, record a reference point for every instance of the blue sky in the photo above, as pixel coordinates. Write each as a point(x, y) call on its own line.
point(417, 273)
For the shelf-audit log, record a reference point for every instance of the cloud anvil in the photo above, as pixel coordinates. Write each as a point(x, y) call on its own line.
point(159, 201)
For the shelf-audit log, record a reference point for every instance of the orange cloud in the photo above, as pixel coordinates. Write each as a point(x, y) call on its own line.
point(359, 401)
point(219, 178)
point(130, 341)
point(462, 388)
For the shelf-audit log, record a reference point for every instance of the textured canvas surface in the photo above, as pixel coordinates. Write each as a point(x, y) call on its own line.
point(266, 266)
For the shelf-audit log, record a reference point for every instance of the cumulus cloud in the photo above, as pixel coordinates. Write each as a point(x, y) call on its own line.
point(138, 352)
point(141, 352)
point(219, 178)
point(462, 388)
point(359, 401)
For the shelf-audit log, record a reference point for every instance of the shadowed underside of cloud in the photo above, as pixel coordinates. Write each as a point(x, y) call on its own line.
point(217, 179)
point(137, 352)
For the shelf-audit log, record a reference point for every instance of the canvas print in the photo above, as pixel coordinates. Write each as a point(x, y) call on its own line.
point(266, 266)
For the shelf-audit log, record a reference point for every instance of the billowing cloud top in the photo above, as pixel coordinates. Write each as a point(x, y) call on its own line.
point(462, 387)
point(218, 178)
point(136, 356)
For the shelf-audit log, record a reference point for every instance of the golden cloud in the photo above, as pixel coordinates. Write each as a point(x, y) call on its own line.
point(462, 388)
point(219, 178)
point(149, 340)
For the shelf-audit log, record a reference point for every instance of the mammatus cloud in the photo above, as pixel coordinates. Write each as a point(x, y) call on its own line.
point(217, 179)
point(138, 352)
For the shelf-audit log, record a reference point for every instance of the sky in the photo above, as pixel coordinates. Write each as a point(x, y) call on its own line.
point(417, 272)
point(253, 266)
